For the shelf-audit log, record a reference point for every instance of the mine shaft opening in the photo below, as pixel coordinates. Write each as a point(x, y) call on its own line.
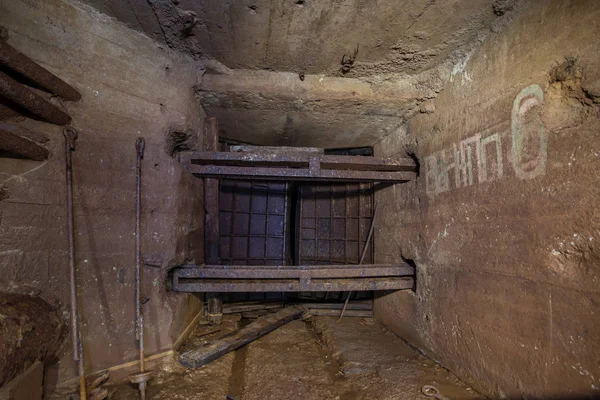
point(294, 224)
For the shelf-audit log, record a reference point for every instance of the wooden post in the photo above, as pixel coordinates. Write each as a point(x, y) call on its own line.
point(211, 220)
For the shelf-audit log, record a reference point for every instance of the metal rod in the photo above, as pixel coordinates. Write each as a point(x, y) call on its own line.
point(362, 257)
point(24, 97)
point(70, 137)
point(142, 377)
point(17, 61)
point(139, 146)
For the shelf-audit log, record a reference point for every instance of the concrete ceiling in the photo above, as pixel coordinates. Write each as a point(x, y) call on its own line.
point(399, 42)
point(311, 36)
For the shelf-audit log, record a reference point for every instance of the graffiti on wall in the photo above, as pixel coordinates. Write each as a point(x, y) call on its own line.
point(477, 159)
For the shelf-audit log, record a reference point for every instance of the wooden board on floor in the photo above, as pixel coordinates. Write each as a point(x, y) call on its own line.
point(27, 386)
point(202, 356)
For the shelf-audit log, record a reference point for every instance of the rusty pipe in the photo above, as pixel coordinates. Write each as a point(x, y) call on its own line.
point(362, 257)
point(70, 137)
point(18, 62)
point(26, 98)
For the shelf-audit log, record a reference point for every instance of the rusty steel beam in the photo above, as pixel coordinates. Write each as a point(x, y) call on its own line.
point(299, 174)
point(236, 278)
point(301, 166)
point(292, 285)
point(21, 146)
point(301, 160)
point(20, 63)
point(292, 272)
point(24, 97)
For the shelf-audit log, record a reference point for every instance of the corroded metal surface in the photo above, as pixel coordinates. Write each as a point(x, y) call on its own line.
point(21, 147)
point(247, 278)
point(301, 166)
point(23, 97)
point(70, 137)
point(334, 223)
point(20, 63)
point(253, 222)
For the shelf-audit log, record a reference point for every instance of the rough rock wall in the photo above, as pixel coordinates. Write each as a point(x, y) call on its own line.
point(503, 222)
point(31, 330)
point(130, 87)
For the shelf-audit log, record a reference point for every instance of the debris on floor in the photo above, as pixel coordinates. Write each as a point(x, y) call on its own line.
point(313, 359)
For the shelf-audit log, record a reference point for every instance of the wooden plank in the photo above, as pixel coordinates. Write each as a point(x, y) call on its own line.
point(336, 313)
point(338, 306)
point(27, 386)
point(253, 306)
point(202, 356)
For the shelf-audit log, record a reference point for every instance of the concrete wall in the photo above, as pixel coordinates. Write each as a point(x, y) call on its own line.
point(503, 221)
point(131, 87)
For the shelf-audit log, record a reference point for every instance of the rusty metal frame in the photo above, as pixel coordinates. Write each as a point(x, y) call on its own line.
point(298, 167)
point(280, 278)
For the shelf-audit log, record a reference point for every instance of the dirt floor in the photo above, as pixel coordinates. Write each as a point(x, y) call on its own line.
point(318, 358)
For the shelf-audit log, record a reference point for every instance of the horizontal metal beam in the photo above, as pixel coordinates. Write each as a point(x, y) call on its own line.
point(300, 166)
point(236, 278)
point(21, 146)
point(291, 272)
point(301, 159)
point(24, 97)
point(299, 174)
point(18, 62)
point(292, 285)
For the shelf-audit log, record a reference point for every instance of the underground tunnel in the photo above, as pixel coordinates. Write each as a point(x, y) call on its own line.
point(317, 199)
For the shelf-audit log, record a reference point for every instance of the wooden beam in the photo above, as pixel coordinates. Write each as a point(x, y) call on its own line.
point(202, 356)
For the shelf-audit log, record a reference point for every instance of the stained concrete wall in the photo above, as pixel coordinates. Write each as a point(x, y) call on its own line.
point(130, 86)
point(503, 221)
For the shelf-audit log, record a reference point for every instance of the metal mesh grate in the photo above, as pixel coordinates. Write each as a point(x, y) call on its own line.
point(334, 223)
point(253, 222)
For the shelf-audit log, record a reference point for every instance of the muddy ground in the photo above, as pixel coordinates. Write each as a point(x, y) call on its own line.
point(318, 358)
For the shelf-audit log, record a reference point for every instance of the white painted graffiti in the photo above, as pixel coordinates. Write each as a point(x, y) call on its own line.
point(478, 159)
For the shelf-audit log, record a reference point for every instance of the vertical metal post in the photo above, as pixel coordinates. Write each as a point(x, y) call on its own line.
point(139, 146)
point(142, 377)
point(70, 135)
point(211, 221)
